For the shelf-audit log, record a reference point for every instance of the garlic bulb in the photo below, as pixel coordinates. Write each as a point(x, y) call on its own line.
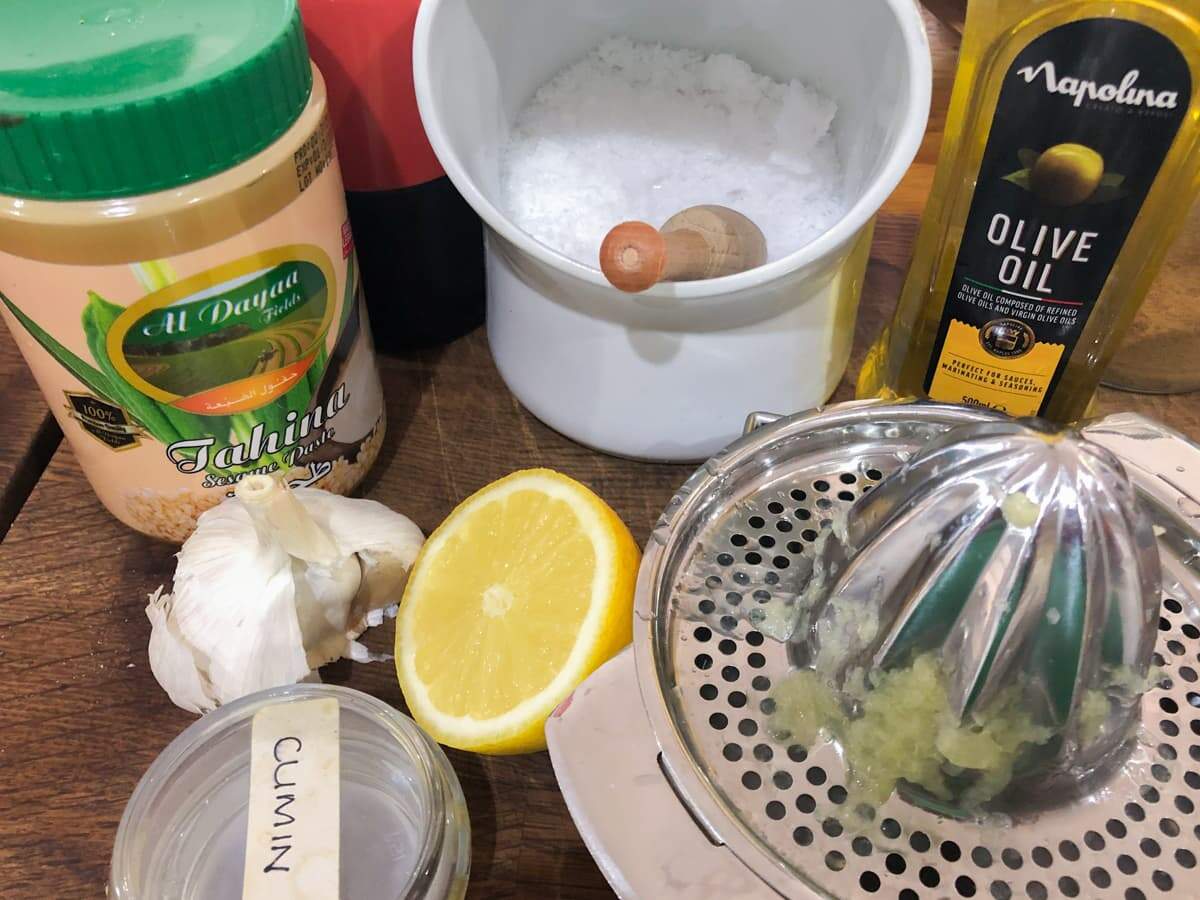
point(272, 584)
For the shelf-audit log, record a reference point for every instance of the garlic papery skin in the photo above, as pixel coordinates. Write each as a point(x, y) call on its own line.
point(171, 659)
point(274, 583)
point(280, 518)
point(326, 580)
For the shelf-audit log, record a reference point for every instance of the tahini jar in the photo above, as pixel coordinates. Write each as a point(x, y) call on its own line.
point(176, 263)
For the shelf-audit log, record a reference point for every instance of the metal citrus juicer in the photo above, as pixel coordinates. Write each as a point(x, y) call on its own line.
point(1059, 570)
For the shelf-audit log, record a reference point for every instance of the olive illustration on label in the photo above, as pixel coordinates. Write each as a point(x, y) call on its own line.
point(1067, 175)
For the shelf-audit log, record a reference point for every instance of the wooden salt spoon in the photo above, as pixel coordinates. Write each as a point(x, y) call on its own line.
point(700, 242)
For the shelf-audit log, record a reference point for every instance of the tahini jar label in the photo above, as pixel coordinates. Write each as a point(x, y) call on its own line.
point(293, 829)
point(175, 378)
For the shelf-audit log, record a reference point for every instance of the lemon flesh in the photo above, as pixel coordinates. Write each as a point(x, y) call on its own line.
point(521, 593)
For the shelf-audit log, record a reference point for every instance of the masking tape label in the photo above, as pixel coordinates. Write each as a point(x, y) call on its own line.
point(292, 831)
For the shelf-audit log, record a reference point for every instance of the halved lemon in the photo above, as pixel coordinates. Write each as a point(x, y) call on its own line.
point(517, 597)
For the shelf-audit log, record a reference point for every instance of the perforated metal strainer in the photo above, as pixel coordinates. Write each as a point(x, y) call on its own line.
point(667, 758)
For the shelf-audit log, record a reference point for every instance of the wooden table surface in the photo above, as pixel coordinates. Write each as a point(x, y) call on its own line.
point(81, 716)
point(28, 437)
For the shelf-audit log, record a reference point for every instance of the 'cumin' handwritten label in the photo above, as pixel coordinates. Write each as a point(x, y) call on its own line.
point(292, 830)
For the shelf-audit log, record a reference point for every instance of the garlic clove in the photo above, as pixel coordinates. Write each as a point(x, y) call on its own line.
point(274, 584)
point(384, 575)
point(385, 542)
point(251, 633)
point(362, 525)
point(234, 602)
point(172, 661)
point(325, 609)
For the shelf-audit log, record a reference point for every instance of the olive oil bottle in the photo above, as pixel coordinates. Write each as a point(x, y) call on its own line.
point(1069, 164)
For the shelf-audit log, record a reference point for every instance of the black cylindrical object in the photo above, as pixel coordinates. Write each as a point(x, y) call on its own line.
point(419, 243)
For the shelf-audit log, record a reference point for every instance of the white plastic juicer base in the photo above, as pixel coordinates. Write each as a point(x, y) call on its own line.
point(606, 761)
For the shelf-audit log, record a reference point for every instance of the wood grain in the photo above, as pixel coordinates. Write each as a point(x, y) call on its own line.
point(29, 435)
point(81, 716)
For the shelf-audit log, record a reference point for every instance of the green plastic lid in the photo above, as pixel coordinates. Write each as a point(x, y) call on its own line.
point(110, 98)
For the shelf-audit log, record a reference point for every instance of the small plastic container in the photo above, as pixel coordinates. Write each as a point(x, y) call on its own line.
point(404, 830)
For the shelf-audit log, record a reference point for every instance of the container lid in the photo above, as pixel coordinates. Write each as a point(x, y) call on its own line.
point(110, 99)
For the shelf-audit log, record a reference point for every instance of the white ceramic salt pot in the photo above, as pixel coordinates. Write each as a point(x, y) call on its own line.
point(669, 374)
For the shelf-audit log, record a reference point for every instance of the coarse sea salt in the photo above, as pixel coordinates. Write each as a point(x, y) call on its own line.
point(642, 131)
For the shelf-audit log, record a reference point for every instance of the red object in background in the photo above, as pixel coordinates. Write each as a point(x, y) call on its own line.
point(364, 50)
point(420, 245)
